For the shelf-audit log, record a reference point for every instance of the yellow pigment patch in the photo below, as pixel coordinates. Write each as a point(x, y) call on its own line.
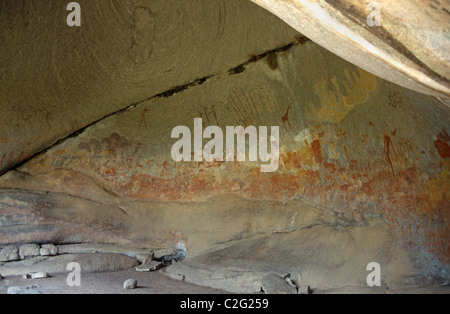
point(336, 106)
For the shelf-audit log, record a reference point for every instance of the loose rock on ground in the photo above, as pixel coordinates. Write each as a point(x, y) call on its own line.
point(31, 289)
point(151, 266)
point(130, 284)
point(38, 275)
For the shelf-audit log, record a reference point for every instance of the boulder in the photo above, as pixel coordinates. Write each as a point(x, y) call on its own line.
point(130, 284)
point(274, 284)
point(48, 250)
point(9, 253)
point(29, 250)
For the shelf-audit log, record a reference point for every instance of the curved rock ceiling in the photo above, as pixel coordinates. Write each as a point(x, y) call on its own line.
point(408, 46)
point(87, 116)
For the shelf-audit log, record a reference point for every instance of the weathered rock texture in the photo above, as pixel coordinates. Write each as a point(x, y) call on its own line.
point(410, 45)
point(316, 256)
point(57, 79)
point(99, 262)
point(364, 163)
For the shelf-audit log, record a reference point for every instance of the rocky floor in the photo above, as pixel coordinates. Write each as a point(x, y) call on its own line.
point(107, 283)
point(157, 283)
point(43, 269)
point(314, 259)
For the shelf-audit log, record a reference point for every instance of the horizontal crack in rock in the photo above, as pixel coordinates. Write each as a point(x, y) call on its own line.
point(181, 88)
point(299, 40)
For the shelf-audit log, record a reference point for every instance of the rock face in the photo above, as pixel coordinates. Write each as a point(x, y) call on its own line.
point(138, 49)
point(363, 170)
point(317, 256)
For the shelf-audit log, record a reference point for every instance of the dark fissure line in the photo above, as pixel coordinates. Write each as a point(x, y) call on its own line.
point(78, 132)
point(300, 40)
point(181, 88)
